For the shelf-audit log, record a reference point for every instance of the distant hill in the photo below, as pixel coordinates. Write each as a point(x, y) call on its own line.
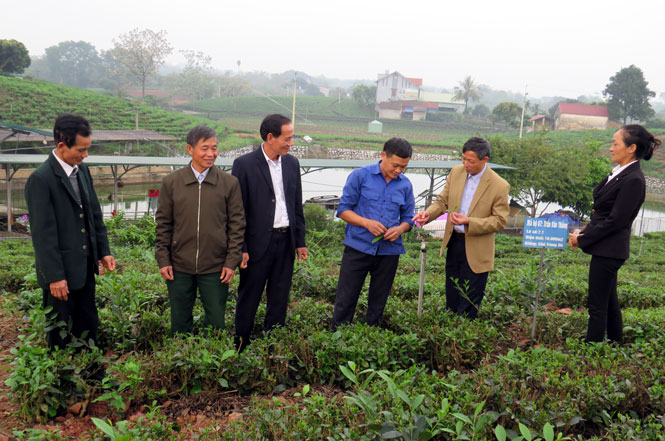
point(37, 103)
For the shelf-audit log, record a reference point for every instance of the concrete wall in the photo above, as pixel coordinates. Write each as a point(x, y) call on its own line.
point(419, 115)
point(390, 113)
point(579, 122)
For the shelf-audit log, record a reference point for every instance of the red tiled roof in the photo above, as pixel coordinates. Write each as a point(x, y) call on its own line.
point(425, 104)
point(583, 109)
point(538, 117)
point(395, 105)
point(398, 105)
point(417, 81)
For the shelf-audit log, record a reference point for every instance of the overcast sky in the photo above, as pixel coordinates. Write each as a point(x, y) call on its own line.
point(563, 47)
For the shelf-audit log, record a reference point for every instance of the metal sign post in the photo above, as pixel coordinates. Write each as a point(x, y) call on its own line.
point(538, 291)
point(543, 233)
point(421, 287)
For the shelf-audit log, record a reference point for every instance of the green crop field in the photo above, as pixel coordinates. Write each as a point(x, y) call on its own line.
point(438, 376)
point(36, 103)
point(573, 138)
point(344, 121)
point(306, 106)
point(329, 122)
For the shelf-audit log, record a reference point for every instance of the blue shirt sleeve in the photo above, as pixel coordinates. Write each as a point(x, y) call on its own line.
point(407, 210)
point(350, 193)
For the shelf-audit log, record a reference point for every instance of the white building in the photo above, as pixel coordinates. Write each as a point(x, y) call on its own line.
point(395, 87)
point(400, 97)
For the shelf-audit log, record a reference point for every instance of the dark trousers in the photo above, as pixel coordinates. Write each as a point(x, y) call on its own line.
point(182, 295)
point(603, 303)
point(464, 288)
point(79, 311)
point(275, 269)
point(352, 274)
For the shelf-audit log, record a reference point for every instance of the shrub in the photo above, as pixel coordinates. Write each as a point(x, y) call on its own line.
point(45, 381)
point(583, 383)
point(17, 262)
point(134, 233)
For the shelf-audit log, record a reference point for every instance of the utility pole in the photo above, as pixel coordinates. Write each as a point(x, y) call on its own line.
point(293, 110)
point(523, 109)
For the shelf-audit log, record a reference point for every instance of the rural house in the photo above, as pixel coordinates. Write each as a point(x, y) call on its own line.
point(399, 97)
point(395, 87)
point(574, 116)
point(541, 122)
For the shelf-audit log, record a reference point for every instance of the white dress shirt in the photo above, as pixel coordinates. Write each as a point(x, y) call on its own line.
point(200, 176)
point(68, 169)
point(281, 218)
point(71, 171)
point(618, 169)
point(470, 187)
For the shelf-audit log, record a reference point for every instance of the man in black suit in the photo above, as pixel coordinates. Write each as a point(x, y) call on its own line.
point(68, 232)
point(275, 226)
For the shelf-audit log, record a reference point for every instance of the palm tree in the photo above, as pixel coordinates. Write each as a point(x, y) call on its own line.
point(467, 90)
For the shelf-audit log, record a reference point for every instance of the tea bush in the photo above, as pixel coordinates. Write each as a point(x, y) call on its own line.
point(44, 381)
point(17, 262)
point(437, 374)
point(37, 103)
point(131, 233)
point(580, 384)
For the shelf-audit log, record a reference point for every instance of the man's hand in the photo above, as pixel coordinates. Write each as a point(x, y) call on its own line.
point(458, 219)
point(59, 289)
point(302, 253)
point(166, 272)
point(375, 227)
point(245, 259)
point(422, 218)
point(108, 262)
point(227, 275)
point(393, 233)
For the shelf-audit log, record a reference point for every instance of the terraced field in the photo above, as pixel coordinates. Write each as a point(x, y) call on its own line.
point(37, 103)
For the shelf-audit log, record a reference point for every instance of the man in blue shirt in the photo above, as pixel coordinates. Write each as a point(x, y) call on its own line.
point(377, 204)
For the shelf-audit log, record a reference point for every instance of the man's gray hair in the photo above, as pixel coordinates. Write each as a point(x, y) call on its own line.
point(198, 133)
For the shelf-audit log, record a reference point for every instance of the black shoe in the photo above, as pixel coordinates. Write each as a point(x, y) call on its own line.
point(96, 372)
point(241, 343)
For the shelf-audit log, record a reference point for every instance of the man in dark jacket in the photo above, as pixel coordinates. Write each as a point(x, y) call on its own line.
point(272, 195)
point(200, 227)
point(68, 232)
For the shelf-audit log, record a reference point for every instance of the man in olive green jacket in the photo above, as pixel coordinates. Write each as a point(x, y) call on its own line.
point(200, 227)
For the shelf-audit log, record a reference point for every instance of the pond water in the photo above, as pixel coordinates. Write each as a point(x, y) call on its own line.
point(133, 198)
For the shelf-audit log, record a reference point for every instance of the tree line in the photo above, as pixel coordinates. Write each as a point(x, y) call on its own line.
point(626, 96)
point(137, 58)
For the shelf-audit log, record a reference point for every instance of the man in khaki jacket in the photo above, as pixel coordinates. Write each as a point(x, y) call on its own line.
point(477, 201)
point(200, 227)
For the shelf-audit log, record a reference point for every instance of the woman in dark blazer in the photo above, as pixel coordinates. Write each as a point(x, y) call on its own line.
point(616, 202)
